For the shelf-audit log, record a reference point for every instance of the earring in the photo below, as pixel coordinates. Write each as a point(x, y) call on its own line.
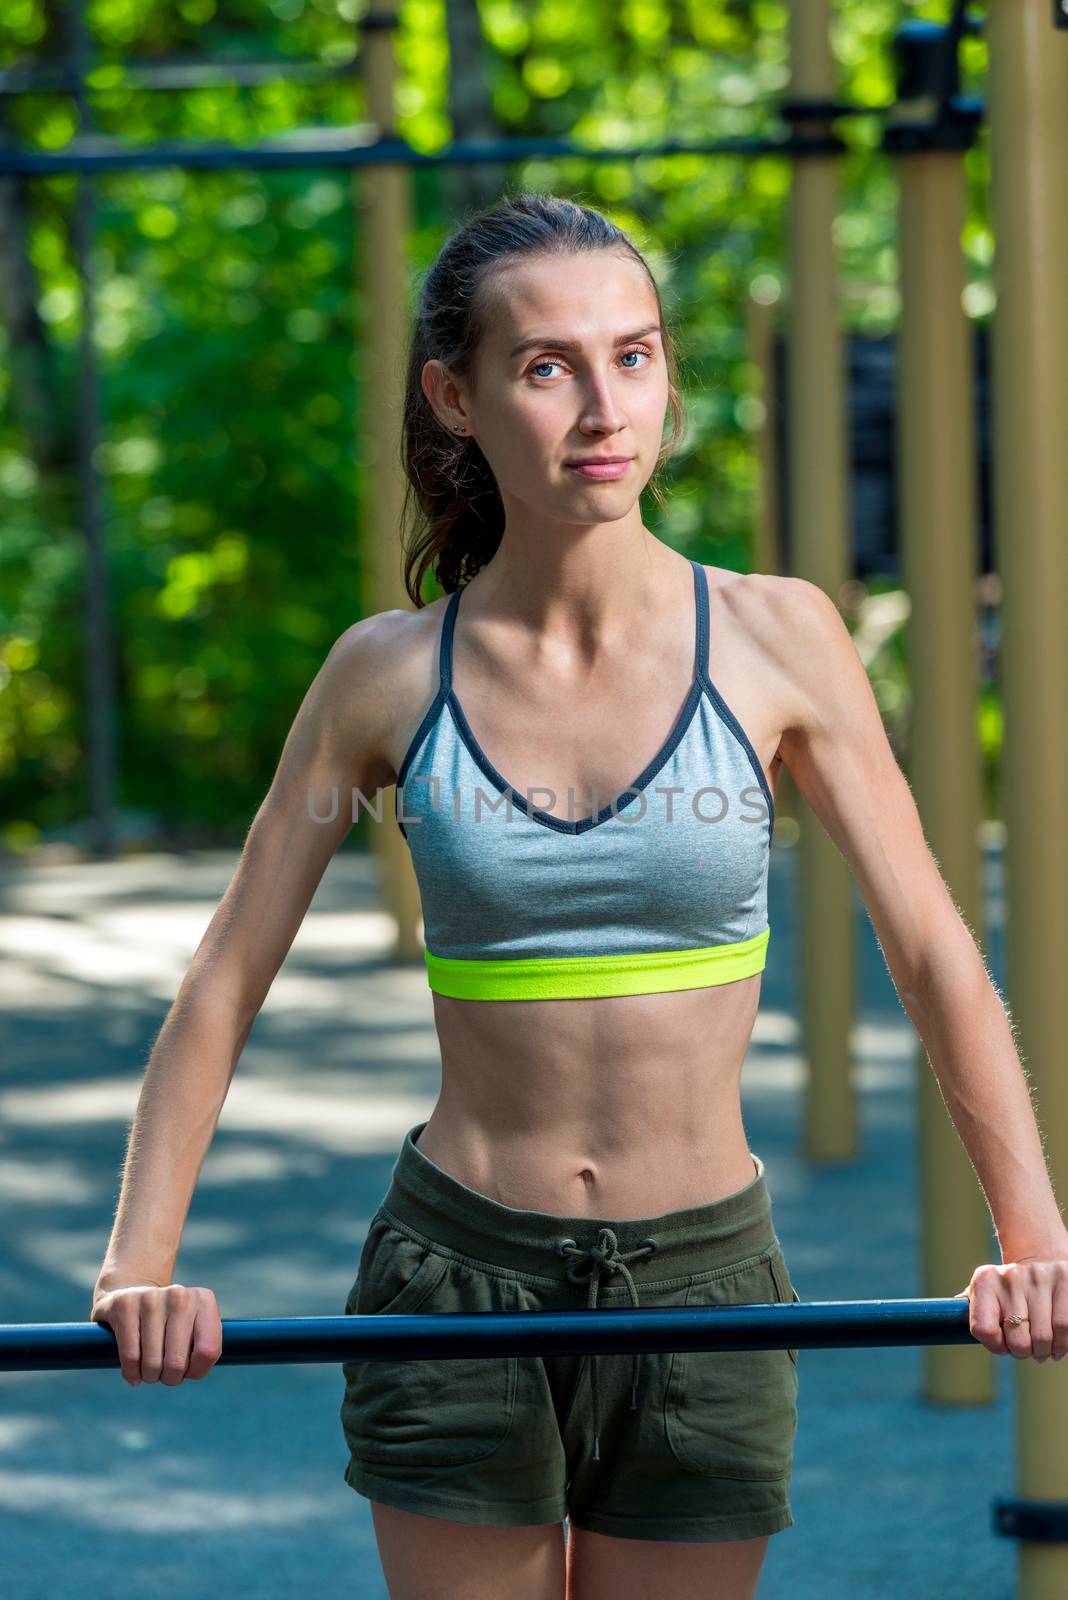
point(459, 430)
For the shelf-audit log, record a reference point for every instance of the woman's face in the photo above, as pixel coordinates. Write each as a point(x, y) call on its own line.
point(590, 379)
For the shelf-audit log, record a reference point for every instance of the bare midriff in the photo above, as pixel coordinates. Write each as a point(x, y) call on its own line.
point(622, 1107)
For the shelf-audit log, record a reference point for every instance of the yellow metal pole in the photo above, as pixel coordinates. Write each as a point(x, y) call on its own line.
point(760, 335)
point(768, 553)
point(384, 223)
point(817, 465)
point(1028, 100)
point(936, 449)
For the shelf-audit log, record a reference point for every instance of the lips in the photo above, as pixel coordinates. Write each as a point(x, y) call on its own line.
point(600, 469)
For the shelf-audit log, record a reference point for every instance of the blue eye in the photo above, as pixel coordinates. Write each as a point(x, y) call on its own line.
point(548, 361)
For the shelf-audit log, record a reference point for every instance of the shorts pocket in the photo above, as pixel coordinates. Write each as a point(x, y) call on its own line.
point(733, 1413)
point(785, 1292)
point(396, 1273)
point(427, 1412)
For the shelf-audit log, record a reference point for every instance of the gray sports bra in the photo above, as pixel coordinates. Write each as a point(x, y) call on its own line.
point(664, 887)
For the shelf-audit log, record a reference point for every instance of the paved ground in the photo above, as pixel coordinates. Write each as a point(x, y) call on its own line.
point(234, 1485)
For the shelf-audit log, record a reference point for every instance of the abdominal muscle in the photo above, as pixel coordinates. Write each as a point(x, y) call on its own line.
point(617, 1108)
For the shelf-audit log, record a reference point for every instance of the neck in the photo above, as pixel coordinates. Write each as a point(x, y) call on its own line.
point(587, 590)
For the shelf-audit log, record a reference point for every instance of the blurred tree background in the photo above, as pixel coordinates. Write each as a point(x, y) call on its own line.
point(228, 335)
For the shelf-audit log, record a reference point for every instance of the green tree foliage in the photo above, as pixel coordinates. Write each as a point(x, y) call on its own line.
point(228, 321)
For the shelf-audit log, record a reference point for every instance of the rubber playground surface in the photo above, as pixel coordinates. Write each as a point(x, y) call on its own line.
point(233, 1485)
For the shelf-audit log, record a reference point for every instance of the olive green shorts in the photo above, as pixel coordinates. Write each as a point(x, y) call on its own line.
point(694, 1445)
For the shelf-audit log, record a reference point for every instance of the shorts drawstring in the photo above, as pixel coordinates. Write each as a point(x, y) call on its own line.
point(602, 1259)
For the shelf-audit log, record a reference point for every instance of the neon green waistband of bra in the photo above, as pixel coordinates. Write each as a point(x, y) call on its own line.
point(588, 977)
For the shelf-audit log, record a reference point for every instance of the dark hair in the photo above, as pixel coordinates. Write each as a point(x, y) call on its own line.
point(462, 514)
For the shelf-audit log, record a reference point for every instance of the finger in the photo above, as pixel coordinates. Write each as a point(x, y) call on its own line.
point(985, 1316)
point(153, 1319)
point(1038, 1293)
point(207, 1339)
point(1017, 1293)
point(125, 1324)
point(1060, 1314)
point(178, 1334)
point(1018, 1335)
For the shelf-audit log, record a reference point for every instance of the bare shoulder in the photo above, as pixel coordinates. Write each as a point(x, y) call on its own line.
point(794, 637)
point(359, 680)
point(384, 669)
point(774, 614)
point(772, 605)
point(807, 637)
point(375, 646)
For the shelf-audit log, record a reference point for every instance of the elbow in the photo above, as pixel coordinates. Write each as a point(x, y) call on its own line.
point(952, 973)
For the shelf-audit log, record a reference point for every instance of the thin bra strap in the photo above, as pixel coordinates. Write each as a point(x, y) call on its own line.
point(700, 583)
point(445, 646)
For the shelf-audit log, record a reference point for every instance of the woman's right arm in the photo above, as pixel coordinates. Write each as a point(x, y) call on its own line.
point(334, 745)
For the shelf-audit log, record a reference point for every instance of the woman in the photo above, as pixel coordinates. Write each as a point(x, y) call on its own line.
point(595, 928)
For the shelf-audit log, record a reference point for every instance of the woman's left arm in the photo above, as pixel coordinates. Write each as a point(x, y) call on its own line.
point(837, 751)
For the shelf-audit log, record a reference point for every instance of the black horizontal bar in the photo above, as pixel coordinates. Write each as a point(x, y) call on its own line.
point(817, 109)
point(1036, 1521)
point(454, 1335)
point(321, 147)
point(170, 73)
